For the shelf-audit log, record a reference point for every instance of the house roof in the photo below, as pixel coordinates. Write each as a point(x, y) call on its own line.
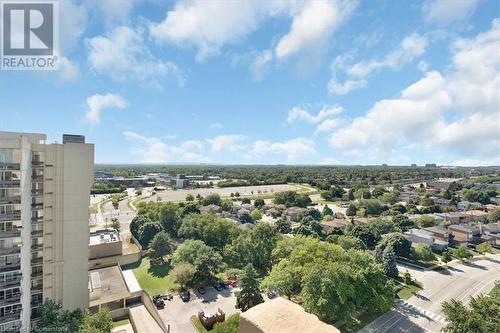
point(436, 230)
point(463, 228)
point(280, 315)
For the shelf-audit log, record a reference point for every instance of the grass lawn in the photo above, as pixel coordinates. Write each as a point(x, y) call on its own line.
point(121, 322)
point(154, 280)
point(198, 325)
point(364, 320)
point(409, 290)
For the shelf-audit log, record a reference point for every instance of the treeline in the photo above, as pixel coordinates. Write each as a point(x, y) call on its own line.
point(279, 174)
point(107, 188)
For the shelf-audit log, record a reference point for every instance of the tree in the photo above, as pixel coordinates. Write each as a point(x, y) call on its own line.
point(426, 221)
point(100, 322)
point(136, 223)
point(249, 294)
point(283, 225)
point(246, 201)
point(446, 257)
point(230, 325)
point(367, 236)
point(407, 277)
point(147, 231)
point(292, 199)
point(388, 261)
point(350, 195)
point(462, 253)
point(484, 248)
point(160, 246)
point(351, 210)
point(189, 208)
point(403, 222)
point(256, 215)
point(350, 242)
point(259, 203)
point(398, 242)
point(213, 230)
point(327, 211)
point(494, 215)
point(170, 218)
point(212, 199)
point(115, 224)
point(390, 198)
point(189, 197)
point(205, 259)
point(480, 317)
point(183, 274)
point(383, 226)
point(424, 252)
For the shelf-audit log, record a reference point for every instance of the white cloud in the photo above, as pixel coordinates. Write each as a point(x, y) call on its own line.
point(113, 11)
point(123, 54)
point(297, 113)
point(68, 70)
point(410, 48)
point(207, 24)
point(329, 161)
point(216, 125)
point(457, 113)
point(96, 103)
point(313, 26)
point(259, 63)
point(292, 149)
point(328, 125)
point(448, 11)
point(154, 150)
point(230, 142)
point(73, 21)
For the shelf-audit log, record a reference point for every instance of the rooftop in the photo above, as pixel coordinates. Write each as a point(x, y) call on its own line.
point(111, 283)
point(273, 315)
point(103, 236)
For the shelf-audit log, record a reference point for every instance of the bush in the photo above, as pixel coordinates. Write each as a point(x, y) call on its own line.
point(424, 252)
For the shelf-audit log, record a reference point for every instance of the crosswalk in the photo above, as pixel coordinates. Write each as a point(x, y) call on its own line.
point(424, 312)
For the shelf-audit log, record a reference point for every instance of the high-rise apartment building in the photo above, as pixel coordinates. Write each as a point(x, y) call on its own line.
point(44, 231)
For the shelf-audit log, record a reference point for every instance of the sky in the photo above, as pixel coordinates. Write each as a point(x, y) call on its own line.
point(270, 82)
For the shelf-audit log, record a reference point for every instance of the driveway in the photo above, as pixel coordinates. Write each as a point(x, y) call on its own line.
point(422, 312)
point(178, 314)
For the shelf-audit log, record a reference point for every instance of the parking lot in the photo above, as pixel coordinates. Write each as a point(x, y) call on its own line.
point(178, 314)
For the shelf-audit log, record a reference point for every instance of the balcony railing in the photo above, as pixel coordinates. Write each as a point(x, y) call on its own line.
point(36, 261)
point(11, 216)
point(7, 183)
point(10, 316)
point(36, 290)
point(37, 219)
point(37, 179)
point(16, 298)
point(10, 267)
point(37, 233)
point(16, 199)
point(10, 250)
point(36, 274)
point(16, 281)
point(37, 205)
point(10, 166)
point(37, 163)
point(36, 193)
point(10, 233)
point(36, 247)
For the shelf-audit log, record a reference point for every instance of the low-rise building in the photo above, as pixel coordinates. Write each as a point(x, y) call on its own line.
point(439, 233)
point(420, 236)
point(328, 226)
point(104, 243)
point(454, 217)
point(477, 215)
point(464, 233)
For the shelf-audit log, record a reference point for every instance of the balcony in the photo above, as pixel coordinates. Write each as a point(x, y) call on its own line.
point(8, 183)
point(36, 290)
point(36, 247)
point(37, 205)
point(16, 298)
point(37, 274)
point(16, 199)
point(10, 166)
point(10, 250)
point(37, 193)
point(10, 233)
point(37, 163)
point(37, 179)
point(15, 266)
point(37, 219)
point(11, 283)
point(10, 316)
point(37, 233)
point(36, 261)
point(10, 216)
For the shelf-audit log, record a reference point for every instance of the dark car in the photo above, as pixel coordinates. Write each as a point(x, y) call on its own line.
point(185, 296)
point(158, 301)
point(271, 294)
point(225, 285)
point(218, 286)
point(201, 290)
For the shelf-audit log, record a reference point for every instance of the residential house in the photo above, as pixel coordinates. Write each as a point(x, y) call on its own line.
point(294, 213)
point(454, 217)
point(420, 236)
point(463, 234)
point(477, 215)
point(210, 209)
point(439, 233)
point(328, 226)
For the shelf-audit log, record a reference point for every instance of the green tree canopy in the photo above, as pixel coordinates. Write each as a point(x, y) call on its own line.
point(213, 230)
point(205, 259)
point(249, 294)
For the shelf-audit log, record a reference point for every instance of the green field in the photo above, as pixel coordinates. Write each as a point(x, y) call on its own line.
point(154, 280)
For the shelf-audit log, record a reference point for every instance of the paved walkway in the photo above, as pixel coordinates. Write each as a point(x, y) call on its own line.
point(143, 321)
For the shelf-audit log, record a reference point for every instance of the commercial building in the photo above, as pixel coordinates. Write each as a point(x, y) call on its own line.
point(44, 232)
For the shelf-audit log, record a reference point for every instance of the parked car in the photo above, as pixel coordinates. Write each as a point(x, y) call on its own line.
point(158, 301)
point(201, 290)
point(218, 286)
point(271, 294)
point(185, 296)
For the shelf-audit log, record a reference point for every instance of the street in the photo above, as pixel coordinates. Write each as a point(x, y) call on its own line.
point(422, 312)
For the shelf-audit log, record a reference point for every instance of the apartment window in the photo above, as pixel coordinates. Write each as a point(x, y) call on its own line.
point(5, 155)
point(6, 226)
point(9, 293)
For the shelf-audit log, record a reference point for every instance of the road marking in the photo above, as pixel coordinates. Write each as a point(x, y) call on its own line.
point(422, 311)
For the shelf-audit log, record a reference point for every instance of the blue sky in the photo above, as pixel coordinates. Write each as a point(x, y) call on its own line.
point(270, 82)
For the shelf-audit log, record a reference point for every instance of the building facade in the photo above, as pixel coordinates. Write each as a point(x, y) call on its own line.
point(44, 232)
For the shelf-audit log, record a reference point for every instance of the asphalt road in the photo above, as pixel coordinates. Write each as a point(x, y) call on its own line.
point(422, 312)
